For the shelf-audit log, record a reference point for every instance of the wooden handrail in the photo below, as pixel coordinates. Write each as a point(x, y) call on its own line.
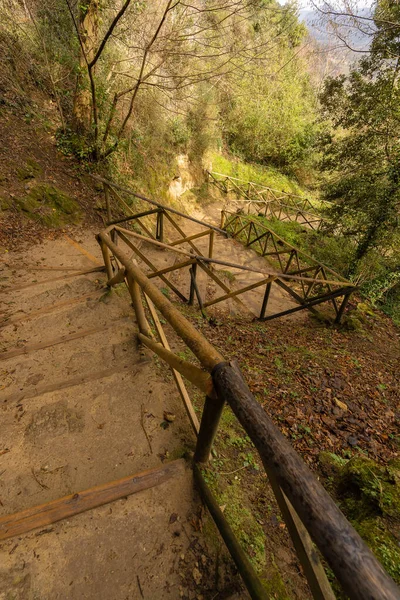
point(205, 352)
point(354, 565)
point(356, 568)
point(282, 240)
point(264, 187)
point(154, 203)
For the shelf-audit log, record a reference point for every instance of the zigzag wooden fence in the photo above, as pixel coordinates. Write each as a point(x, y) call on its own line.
point(254, 198)
point(324, 284)
point(309, 512)
point(308, 286)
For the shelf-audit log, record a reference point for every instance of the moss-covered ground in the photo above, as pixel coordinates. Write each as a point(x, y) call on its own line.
point(50, 205)
point(369, 494)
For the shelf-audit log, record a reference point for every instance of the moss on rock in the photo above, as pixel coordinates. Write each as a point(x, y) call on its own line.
point(377, 485)
point(383, 543)
point(330, 463)
point(5, 203)
point(369, 495)
point(51, 206)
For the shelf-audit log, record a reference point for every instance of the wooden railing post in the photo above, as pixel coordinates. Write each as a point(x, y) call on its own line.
point(134, 290)
point(342, 308)
point(160, 226)
point(106, 257)
point(245, 568)
point(193, 271)
point(195, 289)
point(354, 565)
point(208, 428)
point(265, 300)
point(211, 244)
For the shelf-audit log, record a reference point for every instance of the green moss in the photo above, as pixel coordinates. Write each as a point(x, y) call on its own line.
point(30, 170)
point(245, 526)
point(330, 463)
point(51, 206)
point(377, 485)
point(369, 495)
point(274, 585)
point(228, 274)
point(5, 203)
point(353, 322)
point(383, 544)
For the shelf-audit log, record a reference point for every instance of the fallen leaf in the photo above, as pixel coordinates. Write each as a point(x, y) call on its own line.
point(168, 416)
point(341, 404)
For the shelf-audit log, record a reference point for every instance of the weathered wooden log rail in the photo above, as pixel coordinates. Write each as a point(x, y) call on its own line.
point(307, 285)
point(325, 284)
point(306, 507)
point(254, 198)
point(310, 514)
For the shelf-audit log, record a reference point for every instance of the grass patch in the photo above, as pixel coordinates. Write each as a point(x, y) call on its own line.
point(268, 176)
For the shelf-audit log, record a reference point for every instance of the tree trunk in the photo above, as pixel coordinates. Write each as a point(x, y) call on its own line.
point(88, 20)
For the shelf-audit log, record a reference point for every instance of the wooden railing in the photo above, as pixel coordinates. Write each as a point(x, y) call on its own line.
point(309, 512)
point(309, 284)
point(253, 198)
point(322, 284)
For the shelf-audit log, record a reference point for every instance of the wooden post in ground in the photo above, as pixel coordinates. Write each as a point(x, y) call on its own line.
point(342, 308)
point(194, 287)
point(119, 277)
point(134, 290)
point(211, 244)
point(245, 568)
point(106, 257)
point(360, 573)
point(160, 226)
point(192, 271)
point(265, 300)
point(208, 428)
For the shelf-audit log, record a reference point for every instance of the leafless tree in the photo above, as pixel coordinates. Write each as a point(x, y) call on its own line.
point(170, 46)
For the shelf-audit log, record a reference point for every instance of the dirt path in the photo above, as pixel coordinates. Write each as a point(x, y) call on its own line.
point(84, 411)
point(230, 250)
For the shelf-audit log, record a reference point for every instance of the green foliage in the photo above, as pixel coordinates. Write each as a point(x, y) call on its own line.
point(264, 175)
point(270, 118)
point(361, 157)
point(179, 133)
point(202, 126)
point(334, 251)
point(377, 275)
point(70, 143)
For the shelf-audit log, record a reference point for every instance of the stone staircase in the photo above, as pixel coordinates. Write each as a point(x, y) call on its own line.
point(81, 405)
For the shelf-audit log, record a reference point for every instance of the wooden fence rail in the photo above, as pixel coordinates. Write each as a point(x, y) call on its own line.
point(306, 507)
point(324, 285)
point(309, 284)
point(254, 198)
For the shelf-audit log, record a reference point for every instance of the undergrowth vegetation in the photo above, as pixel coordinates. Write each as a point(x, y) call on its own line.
point(376, 274)
point(267, 175)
